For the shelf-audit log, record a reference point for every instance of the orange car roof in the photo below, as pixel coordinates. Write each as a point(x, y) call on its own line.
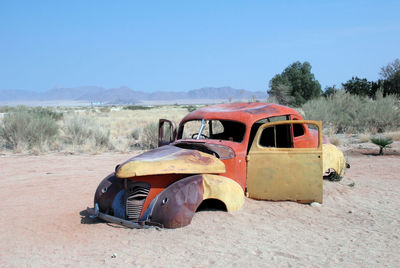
point(243, 112)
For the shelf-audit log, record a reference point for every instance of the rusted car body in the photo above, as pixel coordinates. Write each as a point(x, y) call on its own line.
point(216, 156)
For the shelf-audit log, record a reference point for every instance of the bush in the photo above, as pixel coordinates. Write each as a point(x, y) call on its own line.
point(343, 112)
point(81, 130)
point(382, 142)
point(77, 130)
point(101, 138)
point(149, 136)
point(190, 108)
point(6, 109)
point(29, 128)
point(135, 134)
point(137, 107)
point(383, 113)
point(105, 109)
point(47, 112)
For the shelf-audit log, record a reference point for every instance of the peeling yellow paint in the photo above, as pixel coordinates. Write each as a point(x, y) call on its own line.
point(285, 173)
point(224, 189)
point(333, 158)
point(177, 161)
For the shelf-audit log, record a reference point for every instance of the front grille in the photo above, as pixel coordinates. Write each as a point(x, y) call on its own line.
point(136, 194)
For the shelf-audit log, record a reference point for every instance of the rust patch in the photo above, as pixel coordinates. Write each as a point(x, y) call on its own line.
point(196, 157)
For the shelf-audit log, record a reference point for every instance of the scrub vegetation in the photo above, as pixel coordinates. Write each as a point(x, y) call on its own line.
point(359, 107)
point(100, 129)
point(347, 113)
point(32, 129)
point(82, 129)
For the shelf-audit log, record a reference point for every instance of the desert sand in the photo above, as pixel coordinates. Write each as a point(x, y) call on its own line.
point(44, 224)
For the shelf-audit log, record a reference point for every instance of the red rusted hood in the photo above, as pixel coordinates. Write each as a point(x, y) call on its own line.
point(170, 160)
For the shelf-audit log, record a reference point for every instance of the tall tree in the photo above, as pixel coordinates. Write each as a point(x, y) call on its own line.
point(282, 94)
point(330, 91)
point(298, 82)
point(358, 86)
point(391, 78)
point(389, 71)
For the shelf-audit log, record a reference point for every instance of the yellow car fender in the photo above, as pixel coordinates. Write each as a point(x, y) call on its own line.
point(224, 189)
point(333, 159)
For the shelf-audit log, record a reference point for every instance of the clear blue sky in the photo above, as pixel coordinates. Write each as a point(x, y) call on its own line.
point(183, 45)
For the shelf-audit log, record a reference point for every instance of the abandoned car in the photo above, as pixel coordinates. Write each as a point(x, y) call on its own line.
point(218, 155)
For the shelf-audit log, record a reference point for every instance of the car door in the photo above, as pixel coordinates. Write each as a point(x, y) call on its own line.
point(277, 171)
point(166, 132)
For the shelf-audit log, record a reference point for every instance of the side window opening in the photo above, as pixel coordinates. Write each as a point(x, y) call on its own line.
point(228, 130)
point(298, 130)
point(278, 136)
point(267, 138)
point(257, 124)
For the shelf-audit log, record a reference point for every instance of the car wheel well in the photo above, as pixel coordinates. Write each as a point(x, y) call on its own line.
point(211, 204)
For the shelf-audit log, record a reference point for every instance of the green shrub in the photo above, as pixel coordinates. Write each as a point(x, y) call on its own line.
point(47, 112)
point(382, 142)
point(28, 128)
point(384, 113)
point(343, 112)
point(6, 109)
point(137, 107)
point(191, 108)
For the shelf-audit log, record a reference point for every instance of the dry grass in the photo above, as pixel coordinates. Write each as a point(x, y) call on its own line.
point(87, 129)
point(29, 129)
point(395, 135)
point(335, 140)
point(364, 137)
point(122, 123)
point(126, 127)
point(113, 128)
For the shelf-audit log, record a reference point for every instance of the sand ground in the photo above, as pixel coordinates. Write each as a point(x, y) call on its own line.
point(43, 221)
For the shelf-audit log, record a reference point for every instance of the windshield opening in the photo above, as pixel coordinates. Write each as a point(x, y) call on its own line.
point(213, 129)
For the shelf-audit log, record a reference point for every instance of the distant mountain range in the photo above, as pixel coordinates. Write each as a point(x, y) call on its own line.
point(125, 95)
